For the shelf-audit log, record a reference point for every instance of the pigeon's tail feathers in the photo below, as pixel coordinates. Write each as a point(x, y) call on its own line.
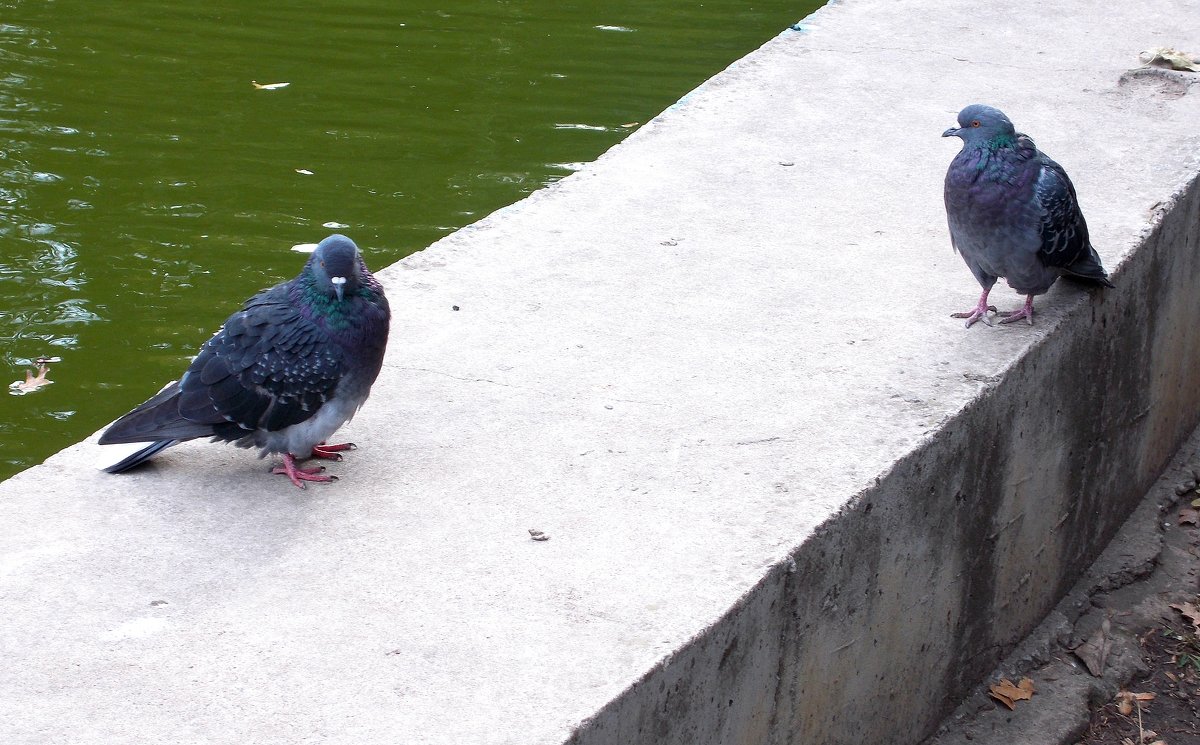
point(157, 419)
point(138, 457)
point(1088, 269)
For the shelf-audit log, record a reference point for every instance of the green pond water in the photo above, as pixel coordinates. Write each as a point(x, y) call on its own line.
point(147, 187)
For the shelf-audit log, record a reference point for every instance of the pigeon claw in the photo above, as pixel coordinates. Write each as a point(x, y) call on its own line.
point(1025, 312)
point(300, 475)
point(332, 452)
point(1012, 316)
point(978, 314)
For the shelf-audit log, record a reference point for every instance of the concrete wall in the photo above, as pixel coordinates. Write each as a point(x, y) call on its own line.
point(789, 498)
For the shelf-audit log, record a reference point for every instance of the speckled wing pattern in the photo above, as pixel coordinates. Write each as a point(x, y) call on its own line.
point(1064, 232)
point(270, 367)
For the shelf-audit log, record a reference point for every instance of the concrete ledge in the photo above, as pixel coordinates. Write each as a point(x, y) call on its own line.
point(789, 499)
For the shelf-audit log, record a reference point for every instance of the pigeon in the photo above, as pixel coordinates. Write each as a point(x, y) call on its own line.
point(282, 374)
point(1013, 214)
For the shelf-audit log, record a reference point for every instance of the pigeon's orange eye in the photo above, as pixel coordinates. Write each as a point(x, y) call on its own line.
point(975, 123)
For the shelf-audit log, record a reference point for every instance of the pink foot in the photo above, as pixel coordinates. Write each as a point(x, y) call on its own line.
point(979, 313)
point(1015, 315)
point(298, 475)
point(331, 452)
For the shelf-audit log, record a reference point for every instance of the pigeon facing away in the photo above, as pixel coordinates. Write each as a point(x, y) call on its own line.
point(282, 374)
point(1013, 213)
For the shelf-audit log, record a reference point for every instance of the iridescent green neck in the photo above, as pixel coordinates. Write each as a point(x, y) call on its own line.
point(323, 307)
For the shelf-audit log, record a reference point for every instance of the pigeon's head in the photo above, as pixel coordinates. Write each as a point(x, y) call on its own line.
point(335, 264)
point(978, 124)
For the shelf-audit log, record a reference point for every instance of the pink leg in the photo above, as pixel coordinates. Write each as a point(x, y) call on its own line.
point(331, 452)
point(1016, 315)
point(297, 475)
point(979, 313)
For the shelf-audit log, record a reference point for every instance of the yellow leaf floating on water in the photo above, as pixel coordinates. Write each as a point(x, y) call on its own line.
point(31, 382)
point(268, 86)
point(1171, 58)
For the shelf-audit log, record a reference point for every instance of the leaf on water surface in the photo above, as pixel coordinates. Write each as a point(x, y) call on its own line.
point(268, 86)
point(31, 382)
point(1170, 58)
point(1009, 693)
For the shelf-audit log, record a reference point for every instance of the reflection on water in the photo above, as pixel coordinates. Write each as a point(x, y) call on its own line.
point(147, 187)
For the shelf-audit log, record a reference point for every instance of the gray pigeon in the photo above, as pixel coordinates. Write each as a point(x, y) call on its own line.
point(1013, 213)
point(282, 374)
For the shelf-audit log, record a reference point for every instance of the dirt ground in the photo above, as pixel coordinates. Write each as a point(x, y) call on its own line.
point(1172, 657)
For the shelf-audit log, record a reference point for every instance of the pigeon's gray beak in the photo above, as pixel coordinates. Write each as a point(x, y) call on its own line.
point(952, 132)
point(339, 286)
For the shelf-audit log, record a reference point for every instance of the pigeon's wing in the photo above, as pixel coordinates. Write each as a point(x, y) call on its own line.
point(268, 368)
point(1063, 231)
point(156, 419)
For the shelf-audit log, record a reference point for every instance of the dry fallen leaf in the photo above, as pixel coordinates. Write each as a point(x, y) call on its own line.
point(1171, 58)
point(268, 86)
point(31, 383)
point(1094, 651)
point(1190, 611)
point(1189, 516)
point(1126, 699)
point(1008, 693)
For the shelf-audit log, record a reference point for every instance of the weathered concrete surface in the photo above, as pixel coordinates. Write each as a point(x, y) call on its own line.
point(1150, 564)
point(789, 499)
